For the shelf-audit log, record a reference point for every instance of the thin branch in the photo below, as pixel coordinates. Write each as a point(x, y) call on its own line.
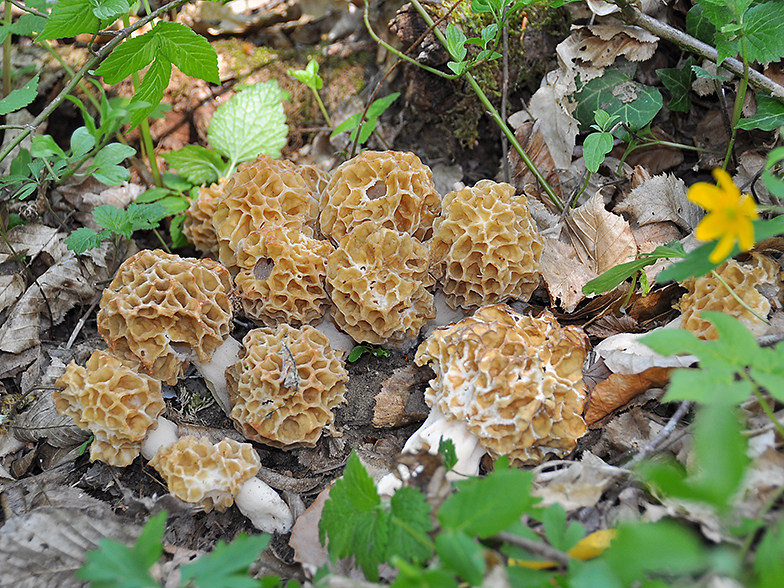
point(536, 547)
point(632, 15)
point(668, 430)
point(21, 6)
point(91, 63)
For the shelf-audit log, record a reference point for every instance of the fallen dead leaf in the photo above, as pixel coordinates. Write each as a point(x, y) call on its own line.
point(649, 237)
point(618, 389)
point(563, 275)
point(661, 198)
point(580, 484)
point(601, 45)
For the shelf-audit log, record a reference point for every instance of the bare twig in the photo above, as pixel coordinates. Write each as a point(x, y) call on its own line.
point(668, 430)
point(536, 547)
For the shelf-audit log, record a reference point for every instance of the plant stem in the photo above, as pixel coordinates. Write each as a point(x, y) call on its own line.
point(89, 65)
point(765, 406)
point(7, 19)
point(738, 299)
point(322, 107)
point(739, 98)
point(554, 198)
point(71, 73)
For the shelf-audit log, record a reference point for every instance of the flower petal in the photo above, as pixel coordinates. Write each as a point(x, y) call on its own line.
point(745, 235)
point(704, 195)
point(723, 249)
point(725, 183)
point(748, 207)
point(711, 227)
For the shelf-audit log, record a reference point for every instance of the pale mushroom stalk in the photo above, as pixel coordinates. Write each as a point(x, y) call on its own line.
point(165, 434)
point(214, 371)
point(264, 507)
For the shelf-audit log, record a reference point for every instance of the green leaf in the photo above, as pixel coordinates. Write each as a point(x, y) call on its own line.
point(252, 122)
point(595, 148)
point(129, 57)
point(110, 9)
point(178, 240)
point(112, 175)
point(461, 555)
point(112, 154)
point(70, 18)
point(414, 577)
point(617, 94)
point(173, 205)
point(621, 272)
point(20, 97)
point(769, 115)
point(409, 525)
point(45, 147)
point(678, 82)
point(486, 506)
point(768, 563)
point(664, 547)
point(353, 521)
point(717, 13)
point(768, 371)
point(145, 216)
point(117, 566)
point(227, 565)
point(196, 164)
point(83, 239)
point(152, 88)
point(560, 535)
point(81, 143)
point(446, 447)
point(191, 53)
point(455, 42)
point(152, 195)
point(762, 26)
point(699, 25)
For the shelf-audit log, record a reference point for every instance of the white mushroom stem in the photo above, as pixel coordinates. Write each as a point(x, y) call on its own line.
point(214, 371)
point(161, 436)
point(467, 447)
point(264, 507)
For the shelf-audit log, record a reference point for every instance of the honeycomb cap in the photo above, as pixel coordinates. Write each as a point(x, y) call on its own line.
point(282, 277)
point(377, 279)
point(263, 193)
point(197, 471)
point(485, 247)
point(161, 309)
point(757, 282)
point(285, 385)
point(392, 188)
point(197, 226)
point(515, 380)
point(113, 401)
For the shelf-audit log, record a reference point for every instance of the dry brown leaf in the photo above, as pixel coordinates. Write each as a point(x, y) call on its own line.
point(304, 540)
point(619, 389)
point(624, 354)
point(11, 288)
point(662, 198)
point(579, 485)
point(649, 237)
point(553, 112)
point(601, 45)
point(563, 275)
point(602, 239)
point(31, 240)
point(69, 282)
point(530, 137)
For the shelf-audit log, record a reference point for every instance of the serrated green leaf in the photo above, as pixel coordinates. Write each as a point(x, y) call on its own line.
point(621, 272)
point(113, 219)
point(252, 122)
point(415, 577)
point(461, 555)
point(110, 9)
point(118, 566)
point(762, 26)
point(20, 97)
point(678, 82)
point(699, 25)
point(191, 53)
point(485, 506)
point(152, 88)
point(129, 57)
point(70, 18)
point(716, 385)
point(769, 115)
point(227, 565)
point(409, 525)
point(618, 95)
point(145, 216)
point(82, 239)
point(196, 164)
point(26, 26)
point(595, 148)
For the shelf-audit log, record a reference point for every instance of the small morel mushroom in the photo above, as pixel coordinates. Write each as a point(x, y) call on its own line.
point(117, 404)
point(197, 227)
point(163, 311)
point(282, 277)
point(217, 476)
point(485, 247)
point(285, 385)
point(261, 194)
point(377, 279)
point(757, 282)
point(393, 189)
point(514, 380)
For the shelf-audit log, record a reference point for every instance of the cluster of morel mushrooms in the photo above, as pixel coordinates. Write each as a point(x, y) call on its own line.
point(365, 252)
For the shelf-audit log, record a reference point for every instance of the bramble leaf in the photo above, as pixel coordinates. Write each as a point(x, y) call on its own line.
point(227, 565)
point(769, 115)
point(113, 564)
point(70, 18)
point(83, 239)
point(252, 122)
point(190, 52)
point(20, 97)
point(129, 57)
point(762, 26)
point(152, 88)
point(196, 164)
point(110, 9)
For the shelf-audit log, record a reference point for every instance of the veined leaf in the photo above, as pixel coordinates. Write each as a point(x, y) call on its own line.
point(762, 26)
point(20, 97)
point(196, 164)
point(110, 9)
point(769, 115)
point(129, 57)
point(227, 565)
point(152, 88)
point(70, 18)
point(191, 53)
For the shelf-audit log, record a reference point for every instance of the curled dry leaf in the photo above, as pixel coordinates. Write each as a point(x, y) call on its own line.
point(624, 354)
point(619, 389)
point(11, 288)
point(602, 239)
point(564, 275)
point(580, 484)
point(601, 45)
point(661, 198)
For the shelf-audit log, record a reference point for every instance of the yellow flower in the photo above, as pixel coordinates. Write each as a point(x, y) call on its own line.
point(729, 215)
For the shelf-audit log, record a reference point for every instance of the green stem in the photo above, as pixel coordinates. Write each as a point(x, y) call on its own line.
point(161, 239)
point(738, 299)
point(322, 107)
point(739, 98)
point(7, 19)
point(89, 65)
point(554, 198)
point(71, 73)
point(766, 408)
point(585, 185)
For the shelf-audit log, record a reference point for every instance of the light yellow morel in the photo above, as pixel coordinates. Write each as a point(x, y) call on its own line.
point(285, 386)
point(197, 227)
point(117, 404)
point(515, 380)
point(756, 281)
point(485, 247)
